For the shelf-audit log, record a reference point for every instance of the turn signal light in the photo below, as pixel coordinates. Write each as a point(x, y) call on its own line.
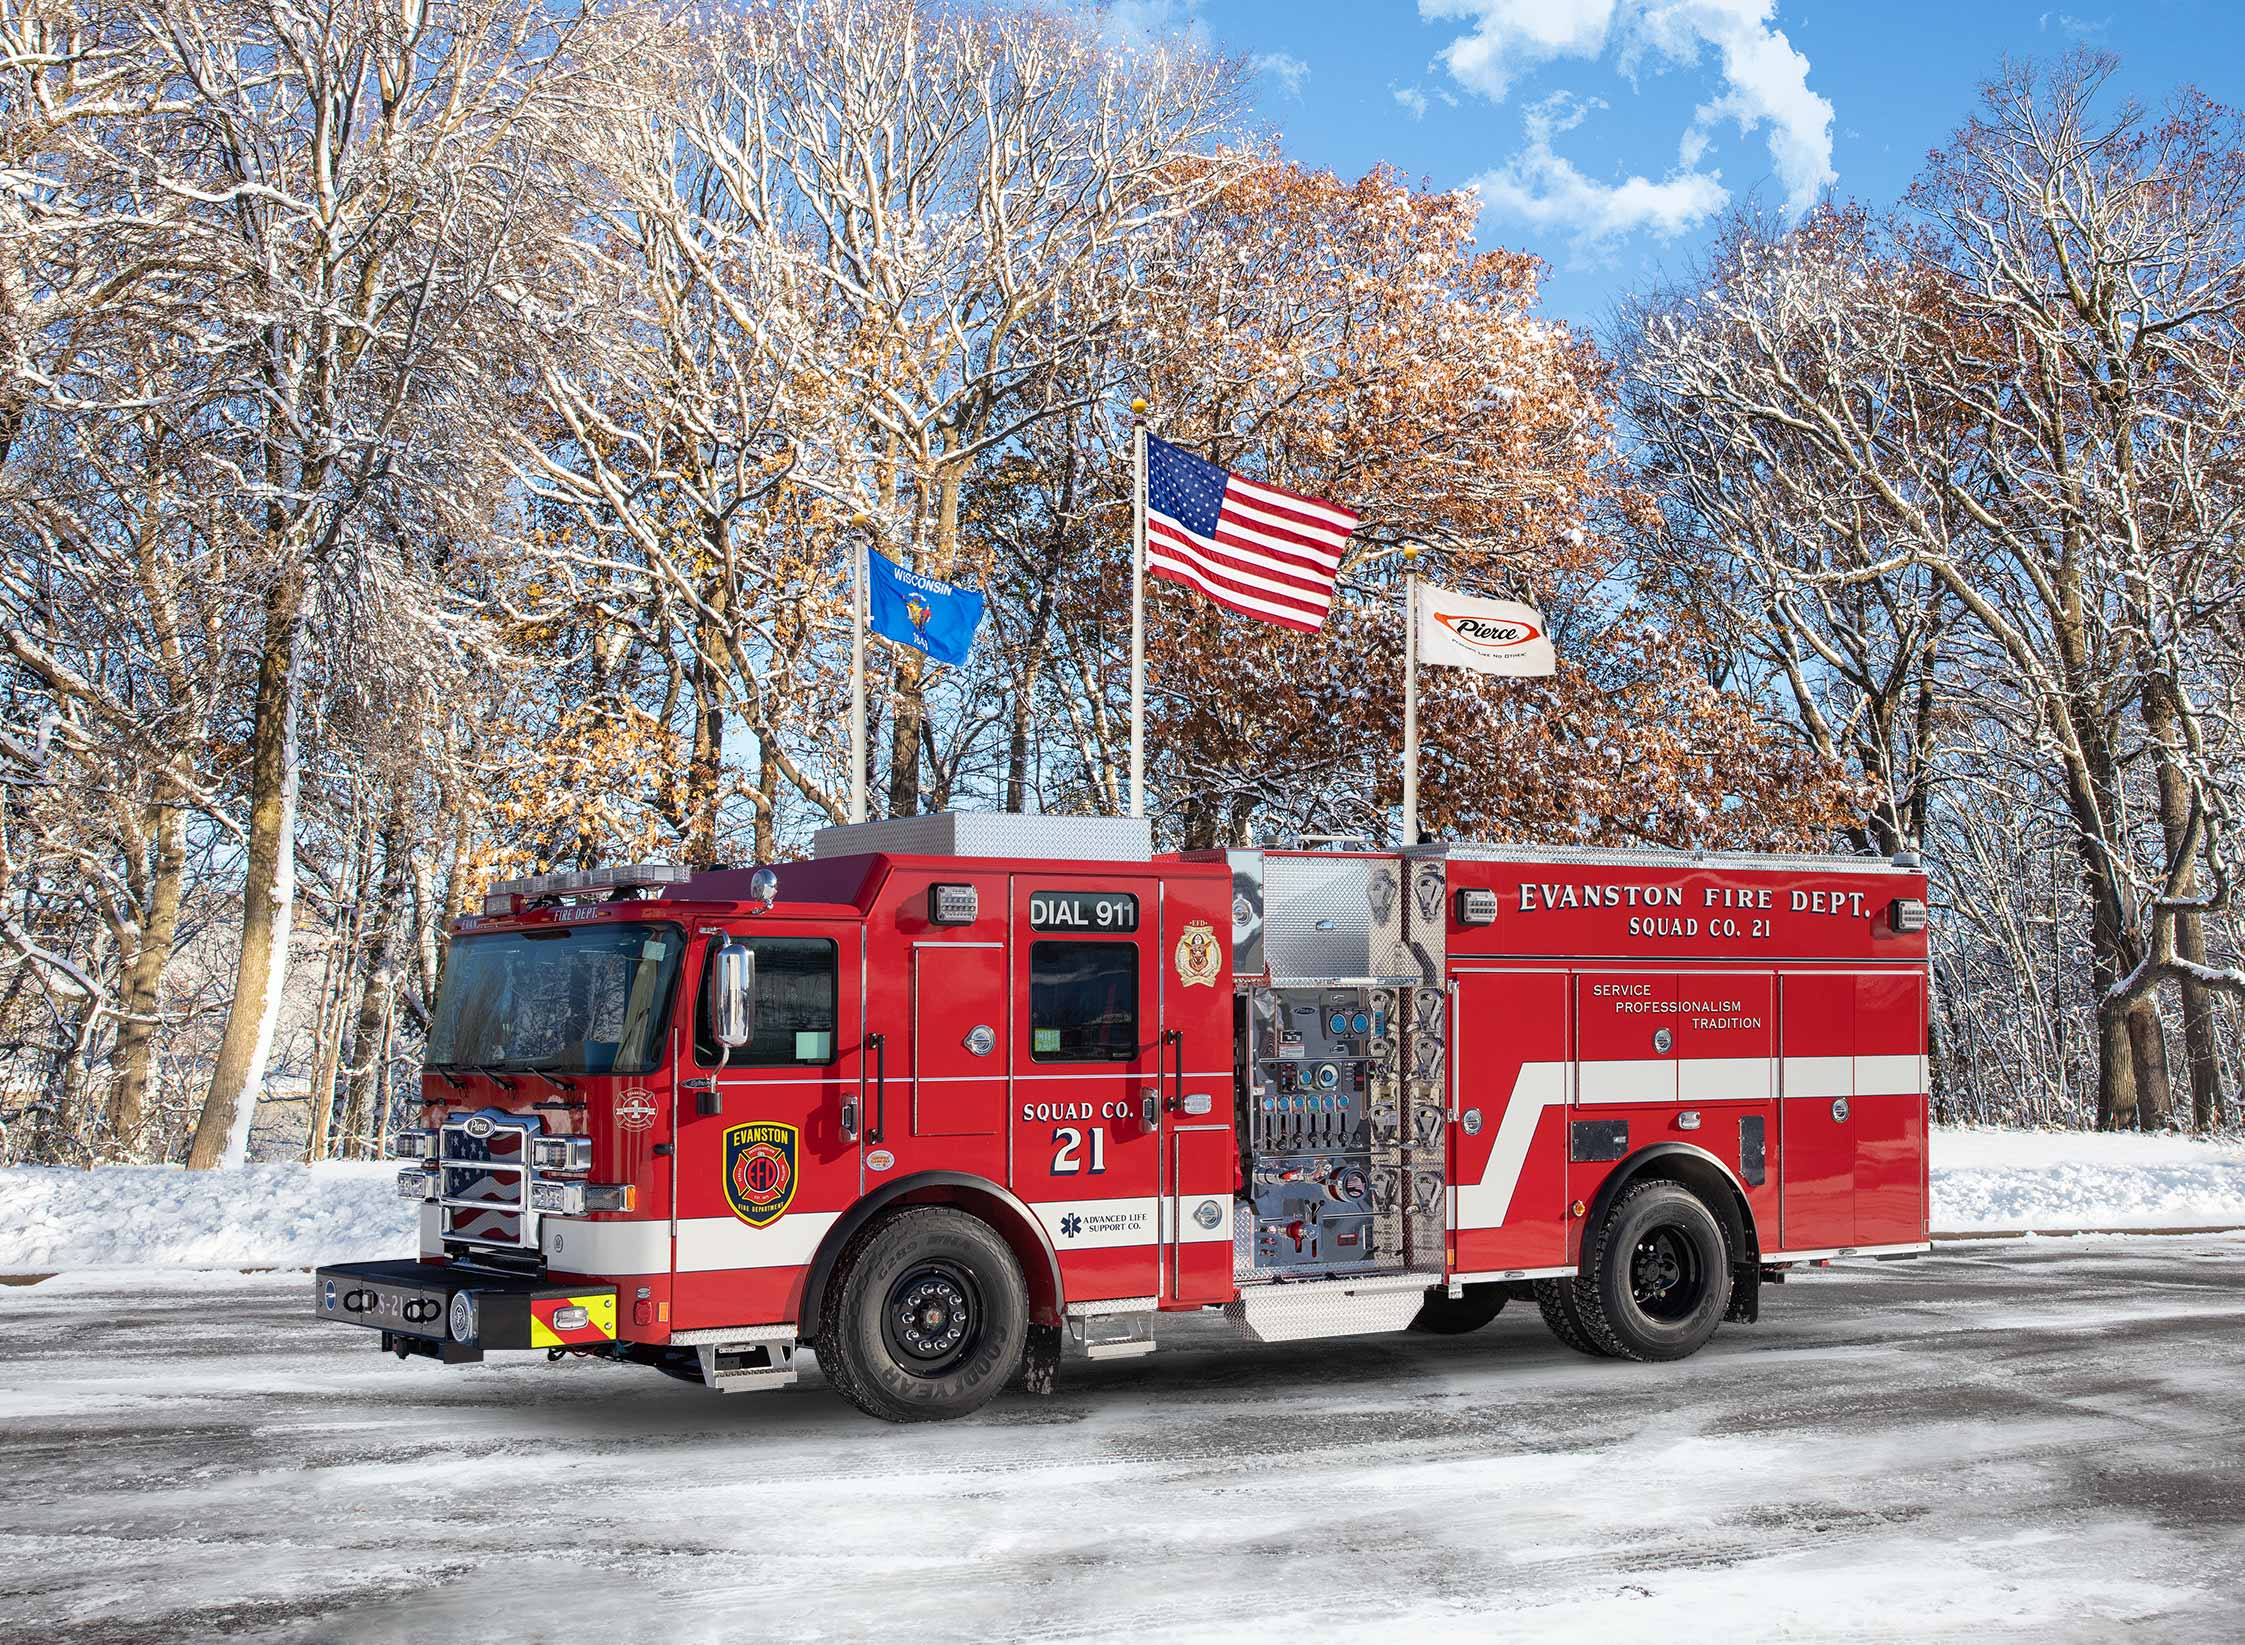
point(413, 1144)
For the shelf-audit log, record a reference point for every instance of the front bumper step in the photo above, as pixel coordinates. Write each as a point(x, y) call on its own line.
point(412, 1305)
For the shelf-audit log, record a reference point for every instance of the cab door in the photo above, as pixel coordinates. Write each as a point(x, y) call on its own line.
point(1087, 1114)
point(1200, 1139)
point(764, 1163)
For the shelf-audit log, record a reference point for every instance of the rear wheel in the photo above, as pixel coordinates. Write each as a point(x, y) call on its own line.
point(1657, 1279)
point(929, 1317)
point(1556, 1298)
point(1443, 1315)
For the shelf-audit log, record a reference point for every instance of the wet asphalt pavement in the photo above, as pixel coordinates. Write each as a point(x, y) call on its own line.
point(2040, 1441)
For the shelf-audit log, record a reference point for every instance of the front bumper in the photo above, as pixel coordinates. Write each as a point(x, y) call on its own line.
point(413, 1305)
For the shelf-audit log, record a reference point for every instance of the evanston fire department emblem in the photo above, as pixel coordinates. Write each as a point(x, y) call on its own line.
point(759, 1171)
point(1199, 960)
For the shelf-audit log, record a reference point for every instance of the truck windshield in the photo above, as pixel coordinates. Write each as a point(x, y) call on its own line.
point(588, 999)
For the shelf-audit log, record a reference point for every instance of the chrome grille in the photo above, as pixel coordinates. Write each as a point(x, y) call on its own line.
point(483, 1178)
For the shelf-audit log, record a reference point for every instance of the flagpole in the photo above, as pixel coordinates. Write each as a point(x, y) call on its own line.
point(1138, 608)
point(1410, 694)
point(861, 525)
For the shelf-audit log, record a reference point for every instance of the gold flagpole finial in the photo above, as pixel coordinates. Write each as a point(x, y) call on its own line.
point(1138, 408)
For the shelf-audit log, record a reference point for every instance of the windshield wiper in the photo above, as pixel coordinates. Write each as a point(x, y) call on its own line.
point(491, 1074)
point(448, 1076)
point(558, 1083)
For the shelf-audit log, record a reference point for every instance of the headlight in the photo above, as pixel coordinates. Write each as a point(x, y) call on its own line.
point(574, 1199)
point(561, 1153)
point(413, 1145)
point(561, 1198)
point(414, 1184)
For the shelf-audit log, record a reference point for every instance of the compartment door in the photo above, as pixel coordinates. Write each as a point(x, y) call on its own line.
point(1816, 1118)
point(1508, 1120)
point(1890, 1108)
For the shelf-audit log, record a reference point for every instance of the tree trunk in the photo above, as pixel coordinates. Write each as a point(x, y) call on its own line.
point(705, 769)
point(2200, 1043)
point(2116, 1078)
point(135, 1053)
point(379, 986)
point(268, 889)
point(2147, 1045)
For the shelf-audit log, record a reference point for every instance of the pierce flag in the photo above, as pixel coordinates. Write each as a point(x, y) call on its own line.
point(1487, 636)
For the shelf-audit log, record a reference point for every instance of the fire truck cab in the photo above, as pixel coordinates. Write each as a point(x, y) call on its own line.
point(959, 1087)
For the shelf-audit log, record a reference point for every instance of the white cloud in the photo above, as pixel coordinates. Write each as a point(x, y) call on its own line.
point(1764, 79)
point(1284, 67)
point(2074, 28)
point(1413, 100)
point(1541, 187)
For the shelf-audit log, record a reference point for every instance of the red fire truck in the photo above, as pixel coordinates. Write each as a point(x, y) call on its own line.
point(959, 1087)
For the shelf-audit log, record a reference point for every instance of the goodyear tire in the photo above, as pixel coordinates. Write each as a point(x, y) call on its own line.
point(1443, 1315)
point(928, 1319)
point(1656, 1279)
point(1556, 1298)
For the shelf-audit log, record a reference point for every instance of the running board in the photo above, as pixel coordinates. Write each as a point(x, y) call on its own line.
point(1329, 1307)
point(1124, 1333)
point(744, 1360)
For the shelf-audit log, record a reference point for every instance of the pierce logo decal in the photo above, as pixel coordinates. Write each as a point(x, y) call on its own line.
point(760, 1171)
point(1200, 958)
point(1482, 634)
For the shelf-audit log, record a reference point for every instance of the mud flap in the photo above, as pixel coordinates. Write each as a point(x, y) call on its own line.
point(1746, 1293)
point(1040, 1358)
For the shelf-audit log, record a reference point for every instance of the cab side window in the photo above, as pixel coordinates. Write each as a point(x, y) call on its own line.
point(795, 1006)
point(1083, 1001)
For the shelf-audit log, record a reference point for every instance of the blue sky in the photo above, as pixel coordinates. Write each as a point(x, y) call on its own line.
point(1604, 133)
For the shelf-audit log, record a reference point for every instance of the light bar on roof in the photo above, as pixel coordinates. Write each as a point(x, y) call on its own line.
point(583, 882)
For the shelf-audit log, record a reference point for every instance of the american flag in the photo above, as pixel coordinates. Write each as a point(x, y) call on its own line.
point(1250, 547)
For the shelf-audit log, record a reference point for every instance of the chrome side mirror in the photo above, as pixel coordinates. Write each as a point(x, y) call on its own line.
point(732, 995)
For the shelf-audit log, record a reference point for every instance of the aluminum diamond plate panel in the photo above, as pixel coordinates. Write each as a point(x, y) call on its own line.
point(993, 834)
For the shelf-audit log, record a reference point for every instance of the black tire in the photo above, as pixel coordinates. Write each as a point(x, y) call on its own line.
point(1656, 1277)
point(1443, 1315)
point(1556, 1298)
point(928, 1317)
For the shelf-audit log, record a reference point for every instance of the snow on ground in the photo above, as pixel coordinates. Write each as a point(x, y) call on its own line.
point(2012, 1444)
point(261, 1216)
point(2085, 1179)
point(290, 1216)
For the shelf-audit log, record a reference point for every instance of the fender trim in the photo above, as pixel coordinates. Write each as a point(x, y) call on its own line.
point(949, 1186)
point(1634, 1166)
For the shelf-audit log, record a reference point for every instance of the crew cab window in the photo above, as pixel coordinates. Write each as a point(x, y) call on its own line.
point(795, 994)
point(1083, 1001)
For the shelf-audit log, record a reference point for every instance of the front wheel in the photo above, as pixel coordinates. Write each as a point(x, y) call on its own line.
point(1657, 1279)
point(929, 1319)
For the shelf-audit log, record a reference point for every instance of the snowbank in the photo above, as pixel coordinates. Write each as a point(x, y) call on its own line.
point(261, 1216)
point(294, 1216)
point(2078, 1179)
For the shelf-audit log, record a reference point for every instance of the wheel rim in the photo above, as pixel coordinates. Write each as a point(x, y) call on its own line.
point(932, 1318)
point(1667, 1274)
